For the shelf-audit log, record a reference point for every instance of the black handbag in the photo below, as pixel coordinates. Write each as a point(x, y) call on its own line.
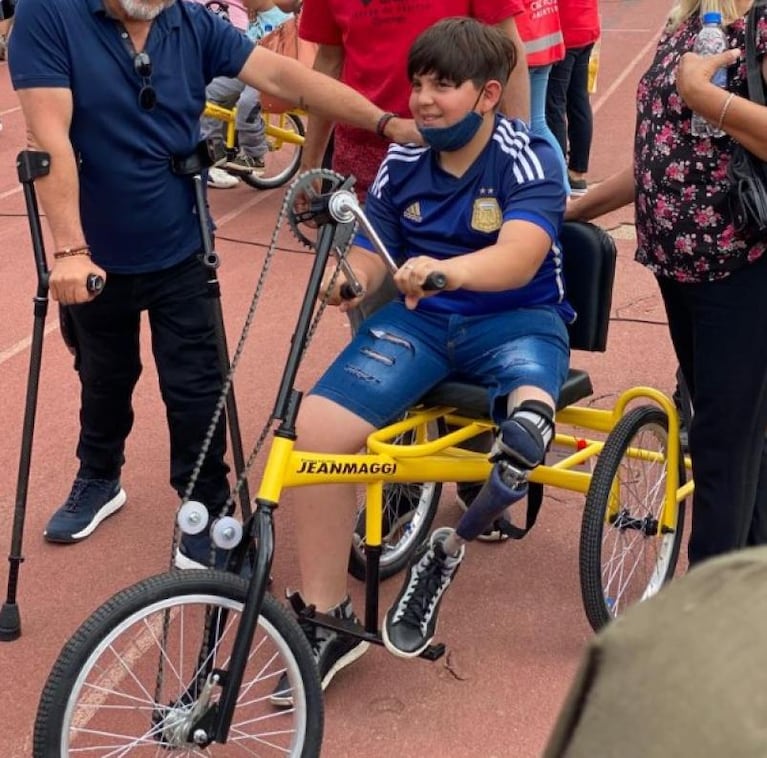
point(746, 172)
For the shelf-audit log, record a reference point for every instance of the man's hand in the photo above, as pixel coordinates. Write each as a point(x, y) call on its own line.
point(68, 279)
point(403, 131)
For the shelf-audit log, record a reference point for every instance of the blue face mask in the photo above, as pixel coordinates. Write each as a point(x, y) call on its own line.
point(455, 136)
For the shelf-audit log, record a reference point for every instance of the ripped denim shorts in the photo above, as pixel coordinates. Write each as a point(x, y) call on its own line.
point(398, 355)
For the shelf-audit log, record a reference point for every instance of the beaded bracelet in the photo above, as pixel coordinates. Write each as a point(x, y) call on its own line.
point(723, 112)
point(68, 252)
point(385, 119)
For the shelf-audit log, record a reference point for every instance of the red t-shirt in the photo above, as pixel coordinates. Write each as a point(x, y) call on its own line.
point(376, 37)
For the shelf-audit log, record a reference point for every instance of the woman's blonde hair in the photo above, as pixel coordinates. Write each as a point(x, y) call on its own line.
point(686, 8)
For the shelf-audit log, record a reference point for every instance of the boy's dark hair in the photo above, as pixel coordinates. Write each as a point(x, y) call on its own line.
point(459, 49)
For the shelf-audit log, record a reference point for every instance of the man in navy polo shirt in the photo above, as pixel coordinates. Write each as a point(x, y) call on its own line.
point(112, 90)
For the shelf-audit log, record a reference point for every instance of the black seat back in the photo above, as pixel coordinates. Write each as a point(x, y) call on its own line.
point(589, 256)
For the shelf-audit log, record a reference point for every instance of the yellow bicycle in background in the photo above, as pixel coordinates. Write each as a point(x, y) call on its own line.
point(284, 138)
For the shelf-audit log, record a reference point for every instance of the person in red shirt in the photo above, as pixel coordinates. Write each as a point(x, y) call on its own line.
point(568, 109)
point(365, 46)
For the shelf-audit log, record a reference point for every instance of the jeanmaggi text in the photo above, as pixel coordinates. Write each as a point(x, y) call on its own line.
point(348, 467)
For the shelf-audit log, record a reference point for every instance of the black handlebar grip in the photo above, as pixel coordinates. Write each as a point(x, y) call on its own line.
point(94, 283)
point(436, 280)
point(348, 292)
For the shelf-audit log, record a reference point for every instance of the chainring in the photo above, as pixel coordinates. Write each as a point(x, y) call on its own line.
point(305, 207)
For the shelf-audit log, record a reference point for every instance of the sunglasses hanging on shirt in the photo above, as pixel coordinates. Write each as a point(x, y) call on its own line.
point(147, 97)
point(142, 65)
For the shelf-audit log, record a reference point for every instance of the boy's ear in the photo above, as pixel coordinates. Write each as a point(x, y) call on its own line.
point(492, 94)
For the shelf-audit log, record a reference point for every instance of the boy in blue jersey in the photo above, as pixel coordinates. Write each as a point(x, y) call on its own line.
point(482, 203)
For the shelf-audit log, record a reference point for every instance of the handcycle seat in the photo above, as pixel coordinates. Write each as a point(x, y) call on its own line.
point(589, 256)
point(472, 400)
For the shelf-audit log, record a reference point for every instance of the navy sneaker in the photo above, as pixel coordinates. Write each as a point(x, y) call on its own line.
point(332, 651)
point(88, 504)
point(411, 622)
point(194, 552)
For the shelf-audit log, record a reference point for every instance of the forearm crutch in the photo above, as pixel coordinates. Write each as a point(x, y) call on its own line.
point(30, 165)
point(211, 262)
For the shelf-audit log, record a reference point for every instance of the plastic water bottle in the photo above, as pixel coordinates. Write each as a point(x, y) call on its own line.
point(711, 40)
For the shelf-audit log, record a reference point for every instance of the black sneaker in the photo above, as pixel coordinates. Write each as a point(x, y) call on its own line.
point(243, 163)
point(411, 622)
point(578, 187)
point(333, 651)
point(498, 531)
point(88, 504)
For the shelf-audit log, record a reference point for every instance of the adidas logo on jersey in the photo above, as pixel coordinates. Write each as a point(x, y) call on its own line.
point(413, 212)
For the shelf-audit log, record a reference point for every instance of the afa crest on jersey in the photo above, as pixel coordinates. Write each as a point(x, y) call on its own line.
point(486, 215)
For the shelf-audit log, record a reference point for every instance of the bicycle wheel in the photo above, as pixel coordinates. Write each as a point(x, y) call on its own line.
point(283, 157)
point(138, 673)
point(408, 512)
point(624, 557)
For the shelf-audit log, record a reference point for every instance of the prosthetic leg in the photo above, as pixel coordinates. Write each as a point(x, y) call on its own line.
point(30, 165)
point(520, 446)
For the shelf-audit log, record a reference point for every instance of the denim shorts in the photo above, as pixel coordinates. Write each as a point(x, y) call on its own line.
point(398, 355)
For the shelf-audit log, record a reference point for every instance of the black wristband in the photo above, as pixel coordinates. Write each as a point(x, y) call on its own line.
point(381, 125)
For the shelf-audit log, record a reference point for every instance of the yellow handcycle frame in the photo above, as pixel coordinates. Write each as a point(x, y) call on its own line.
point(441, 460)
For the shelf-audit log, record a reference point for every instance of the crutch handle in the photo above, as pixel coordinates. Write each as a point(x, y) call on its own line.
point(94, 283)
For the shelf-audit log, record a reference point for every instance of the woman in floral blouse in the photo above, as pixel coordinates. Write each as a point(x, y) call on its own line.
point(712, 275)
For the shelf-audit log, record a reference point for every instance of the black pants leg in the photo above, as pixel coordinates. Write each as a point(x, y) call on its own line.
point(180, 311)
point(580, 122)
point(714, 327)
point(180, 308)
point(106, 331)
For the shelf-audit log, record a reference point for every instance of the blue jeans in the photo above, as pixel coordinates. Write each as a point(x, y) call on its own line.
point(539, 78)
point(398, 355)
point(568, 108)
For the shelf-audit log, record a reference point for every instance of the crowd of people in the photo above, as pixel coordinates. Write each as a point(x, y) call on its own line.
point(442, 99)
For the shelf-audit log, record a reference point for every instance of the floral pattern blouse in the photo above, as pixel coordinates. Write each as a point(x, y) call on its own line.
point(684, 225)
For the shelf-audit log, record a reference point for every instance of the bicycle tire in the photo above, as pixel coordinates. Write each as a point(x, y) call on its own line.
point(282, 162)
point(607, 543)
point(117, 699)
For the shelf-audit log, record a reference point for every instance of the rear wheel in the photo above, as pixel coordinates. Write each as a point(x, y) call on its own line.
point(284, 139)
point(625, 556)
point(139, 676)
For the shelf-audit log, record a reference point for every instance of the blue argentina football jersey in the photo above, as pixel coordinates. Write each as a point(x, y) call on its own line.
point(419, 209)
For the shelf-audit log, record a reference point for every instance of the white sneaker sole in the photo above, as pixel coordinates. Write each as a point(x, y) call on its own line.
point(185, 563)
point(106, 510)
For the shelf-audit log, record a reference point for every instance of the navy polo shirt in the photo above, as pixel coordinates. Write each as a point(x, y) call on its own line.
point(137, 215)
